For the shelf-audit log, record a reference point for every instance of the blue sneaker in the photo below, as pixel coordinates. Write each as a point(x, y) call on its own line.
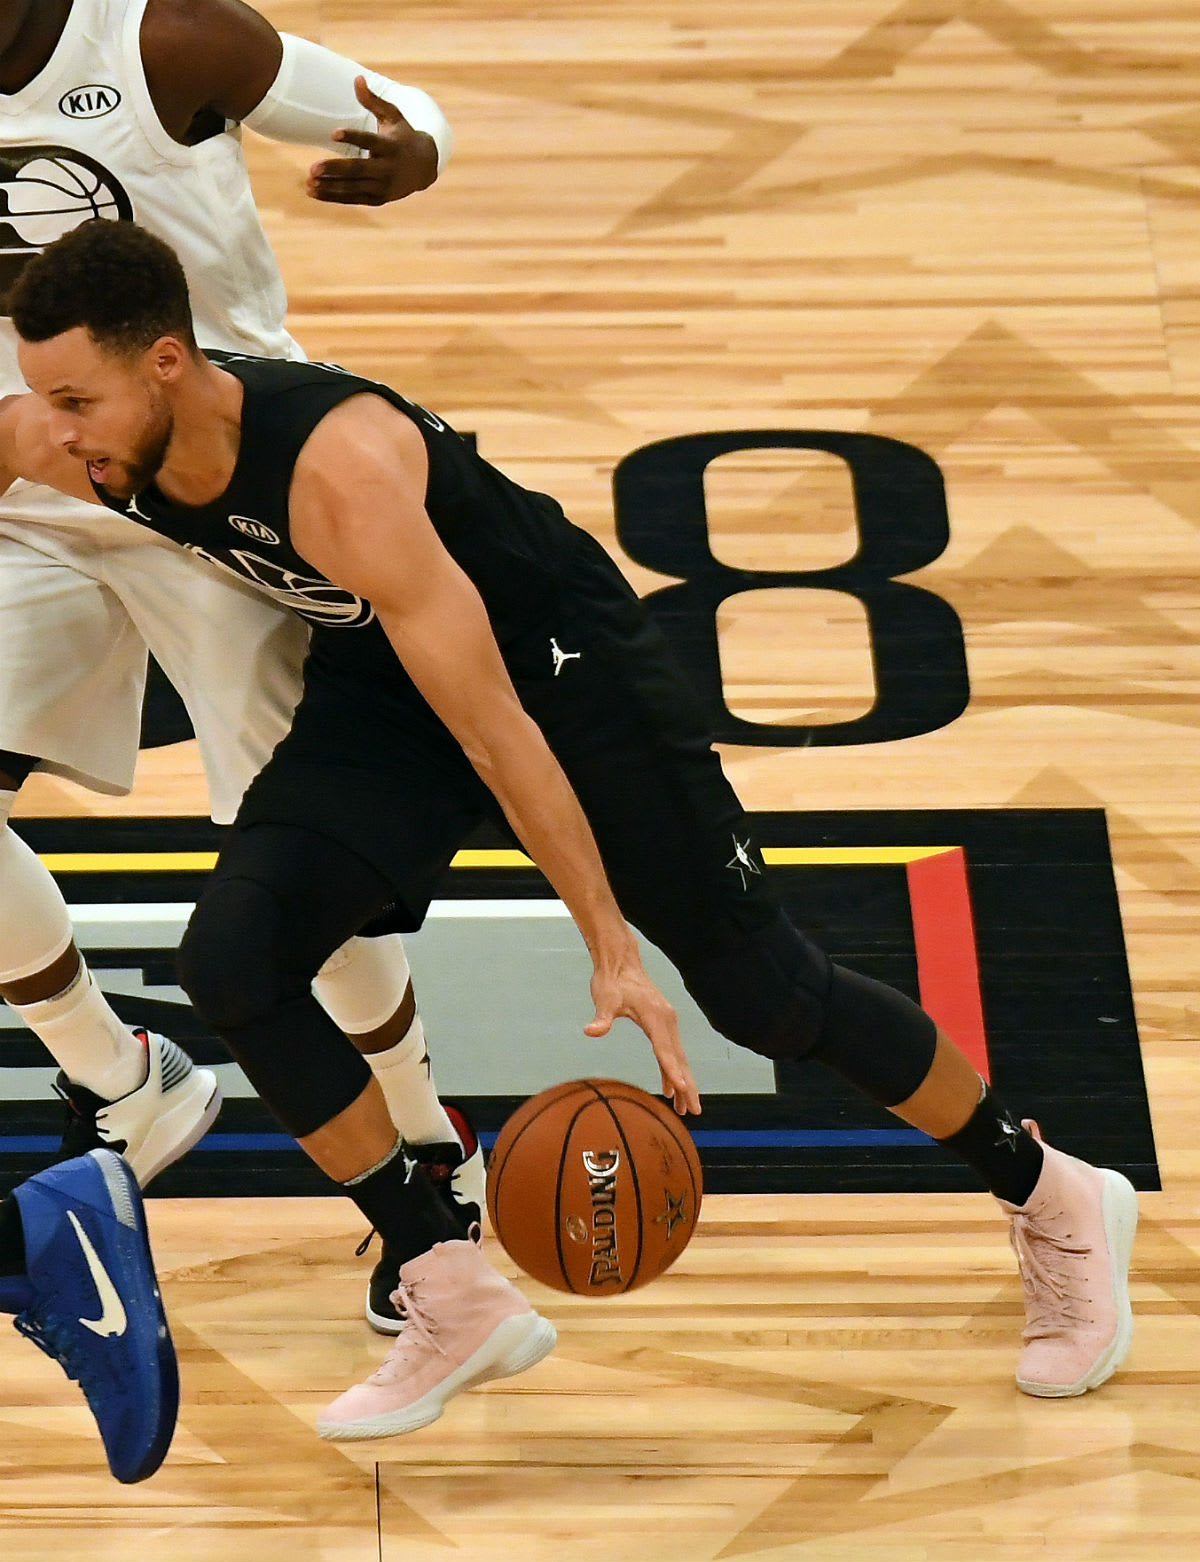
point(96, 1307)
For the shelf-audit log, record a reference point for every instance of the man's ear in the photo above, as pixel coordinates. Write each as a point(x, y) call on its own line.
point(168, 358)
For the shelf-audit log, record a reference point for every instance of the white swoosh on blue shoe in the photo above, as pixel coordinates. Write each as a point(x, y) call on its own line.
point(112, 1320)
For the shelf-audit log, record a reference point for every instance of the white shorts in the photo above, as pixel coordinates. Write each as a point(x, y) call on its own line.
point(83, 592)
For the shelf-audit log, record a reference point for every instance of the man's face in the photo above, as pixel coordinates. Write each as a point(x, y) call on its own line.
point(106, 409)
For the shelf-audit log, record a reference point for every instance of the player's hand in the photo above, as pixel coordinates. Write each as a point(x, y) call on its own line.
point(399, 159)
point(629, 993)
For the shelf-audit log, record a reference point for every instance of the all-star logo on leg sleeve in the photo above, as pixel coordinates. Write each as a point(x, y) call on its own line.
point(742, 863)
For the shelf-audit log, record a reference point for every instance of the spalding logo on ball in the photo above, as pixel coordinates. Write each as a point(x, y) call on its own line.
point(594, 1187)
point(45, 191)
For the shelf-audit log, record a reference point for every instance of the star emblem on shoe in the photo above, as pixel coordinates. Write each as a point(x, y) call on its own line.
point(742, 863)
point(674, 1214)
point(1009, 1133)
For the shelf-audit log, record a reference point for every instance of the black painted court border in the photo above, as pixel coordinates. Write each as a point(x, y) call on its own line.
point(1058, 1011)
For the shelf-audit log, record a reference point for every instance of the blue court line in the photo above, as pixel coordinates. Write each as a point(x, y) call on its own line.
point(715, 1138)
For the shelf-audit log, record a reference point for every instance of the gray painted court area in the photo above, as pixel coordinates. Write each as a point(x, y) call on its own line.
point(503, 989)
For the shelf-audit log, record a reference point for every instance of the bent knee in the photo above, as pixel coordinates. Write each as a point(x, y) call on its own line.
point(767, 990)
point(230, 960)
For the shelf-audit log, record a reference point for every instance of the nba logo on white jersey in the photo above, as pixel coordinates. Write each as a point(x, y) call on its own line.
point(45, 191)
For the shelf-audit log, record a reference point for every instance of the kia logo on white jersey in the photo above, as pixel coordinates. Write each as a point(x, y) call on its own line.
point(92, 101)
point(252, 528)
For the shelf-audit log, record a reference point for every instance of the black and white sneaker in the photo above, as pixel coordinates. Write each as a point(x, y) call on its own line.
point(457, 1172)
point(153, 1125)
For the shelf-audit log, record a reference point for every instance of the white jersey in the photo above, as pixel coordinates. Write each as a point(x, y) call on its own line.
point(83, 591)
point(82, 140)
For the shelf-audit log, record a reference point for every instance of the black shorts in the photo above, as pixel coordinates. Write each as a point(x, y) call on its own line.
point(369, 764)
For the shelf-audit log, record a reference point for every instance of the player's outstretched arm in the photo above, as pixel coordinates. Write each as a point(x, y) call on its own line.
point(358, 515)
point(211, 61)
point(28, 451)
point(8, 442)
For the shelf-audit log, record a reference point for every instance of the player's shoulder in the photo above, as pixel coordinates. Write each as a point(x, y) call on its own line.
point(198, 18)
point(207, 50)
point(364, 435)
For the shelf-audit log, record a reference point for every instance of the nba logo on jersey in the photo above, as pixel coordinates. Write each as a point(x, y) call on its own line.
point(45, 191)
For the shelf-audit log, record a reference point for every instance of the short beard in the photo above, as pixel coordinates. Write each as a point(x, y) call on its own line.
point(146, 464)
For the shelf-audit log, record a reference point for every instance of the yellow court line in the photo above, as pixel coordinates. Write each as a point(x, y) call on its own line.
point(200, 862)
point(129, 862)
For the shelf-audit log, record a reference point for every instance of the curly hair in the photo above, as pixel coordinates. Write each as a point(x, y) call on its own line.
point(123, 285)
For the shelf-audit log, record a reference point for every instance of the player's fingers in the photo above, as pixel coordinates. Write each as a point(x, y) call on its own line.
point(347, 196)
point(367, 141)
point(387, 113)
point(601, 1025)
point(678, 1081)
point(344, 168)
point(681, 1087)
point(367, 181)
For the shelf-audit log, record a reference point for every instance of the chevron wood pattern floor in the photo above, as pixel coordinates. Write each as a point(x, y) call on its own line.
point(971, 225)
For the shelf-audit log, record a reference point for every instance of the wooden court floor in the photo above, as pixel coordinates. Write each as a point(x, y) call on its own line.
point(968, 224)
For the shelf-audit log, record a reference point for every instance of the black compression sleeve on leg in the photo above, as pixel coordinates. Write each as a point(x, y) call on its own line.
point(1006, 1156)
point(280, 902)
point(875, 1037)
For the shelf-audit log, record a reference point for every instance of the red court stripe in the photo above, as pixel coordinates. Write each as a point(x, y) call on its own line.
point(947, 960)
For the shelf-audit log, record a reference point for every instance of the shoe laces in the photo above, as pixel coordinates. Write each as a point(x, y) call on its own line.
point(1053, 1273)
point(419, 1333)
point(365, 1243)
point(59, 1339)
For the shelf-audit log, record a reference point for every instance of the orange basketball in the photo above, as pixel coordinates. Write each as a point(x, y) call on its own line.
point(594, 1187)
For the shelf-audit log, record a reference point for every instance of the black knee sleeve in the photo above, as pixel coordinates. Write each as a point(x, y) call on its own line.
point(766, 990)
point(243, 970)
point(875, 1037)
point(233, 958)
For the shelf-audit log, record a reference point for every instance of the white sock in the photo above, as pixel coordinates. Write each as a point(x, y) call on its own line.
point(91, 1045)
point(406, 1078)
point(87, 1040)
point(361, 986)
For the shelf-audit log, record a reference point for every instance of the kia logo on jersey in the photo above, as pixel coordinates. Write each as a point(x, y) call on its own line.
point(89, 102)
point(249, 527)
point(45, 191)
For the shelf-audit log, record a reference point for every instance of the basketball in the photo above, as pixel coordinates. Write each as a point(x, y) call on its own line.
point(594, 1187)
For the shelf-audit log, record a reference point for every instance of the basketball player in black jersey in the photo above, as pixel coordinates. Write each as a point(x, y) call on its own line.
point(475, 654)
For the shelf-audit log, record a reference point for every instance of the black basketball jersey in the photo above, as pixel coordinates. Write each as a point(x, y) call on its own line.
point(510, 541)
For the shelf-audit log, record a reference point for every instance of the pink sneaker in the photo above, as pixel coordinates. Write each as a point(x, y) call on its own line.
point(1073, 1240)
point(464, 1324)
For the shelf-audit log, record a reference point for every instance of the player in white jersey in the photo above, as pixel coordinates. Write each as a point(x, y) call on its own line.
point(131, 109)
